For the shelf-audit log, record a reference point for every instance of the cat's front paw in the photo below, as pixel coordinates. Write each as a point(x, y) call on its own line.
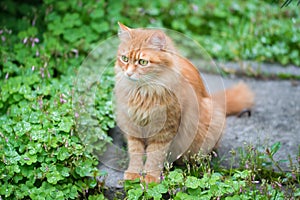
point(131, 176)
point(150, 179)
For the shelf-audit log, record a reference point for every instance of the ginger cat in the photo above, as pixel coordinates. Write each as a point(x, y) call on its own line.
point(162, 104)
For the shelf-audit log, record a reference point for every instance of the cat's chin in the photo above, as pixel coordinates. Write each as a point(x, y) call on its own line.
point(132, 78)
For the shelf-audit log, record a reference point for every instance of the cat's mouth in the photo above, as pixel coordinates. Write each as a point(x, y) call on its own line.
point(133, 77)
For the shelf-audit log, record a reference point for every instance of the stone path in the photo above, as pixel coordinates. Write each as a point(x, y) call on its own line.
point(258, 69)
point(275, 118)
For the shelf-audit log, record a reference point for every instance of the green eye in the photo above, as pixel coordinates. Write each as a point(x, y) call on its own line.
point(125, 58)
point(143, 62)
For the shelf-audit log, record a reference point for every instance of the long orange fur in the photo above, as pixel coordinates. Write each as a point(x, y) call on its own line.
point(163, 107)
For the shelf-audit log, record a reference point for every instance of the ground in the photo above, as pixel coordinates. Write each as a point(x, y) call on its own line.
point(275, 118)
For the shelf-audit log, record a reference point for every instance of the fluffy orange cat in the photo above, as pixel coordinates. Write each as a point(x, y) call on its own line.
point(162, 104)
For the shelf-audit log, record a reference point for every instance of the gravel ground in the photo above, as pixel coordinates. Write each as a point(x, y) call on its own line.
point(275, 118)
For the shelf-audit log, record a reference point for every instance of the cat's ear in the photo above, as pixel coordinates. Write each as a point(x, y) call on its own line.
point(158, 39)
point(124, 32)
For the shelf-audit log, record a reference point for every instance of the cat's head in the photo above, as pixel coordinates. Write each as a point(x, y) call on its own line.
point(143, 54)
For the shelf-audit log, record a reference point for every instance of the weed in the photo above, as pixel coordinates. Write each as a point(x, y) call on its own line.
point(199, 179)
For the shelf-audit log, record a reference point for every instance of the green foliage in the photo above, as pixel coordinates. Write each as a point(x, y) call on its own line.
point(42, 156)
point(210, 186)
point(39, 151)
point(199, 180)
point(231, 30)
point(228, 30)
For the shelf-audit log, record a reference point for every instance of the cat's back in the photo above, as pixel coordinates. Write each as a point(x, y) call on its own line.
point(190, 76)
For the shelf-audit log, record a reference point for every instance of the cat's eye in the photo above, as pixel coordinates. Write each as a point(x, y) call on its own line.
point(143, 62)
point(124, 58)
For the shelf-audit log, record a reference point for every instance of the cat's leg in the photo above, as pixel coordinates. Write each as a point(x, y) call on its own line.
point(136, 150)
point(156, 155)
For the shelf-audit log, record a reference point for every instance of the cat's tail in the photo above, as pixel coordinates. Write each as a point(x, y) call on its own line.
point(236, 99)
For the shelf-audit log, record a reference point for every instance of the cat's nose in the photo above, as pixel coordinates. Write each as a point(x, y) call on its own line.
point(129, 73)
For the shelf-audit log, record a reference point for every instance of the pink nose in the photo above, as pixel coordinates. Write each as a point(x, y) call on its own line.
point(129, 74)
